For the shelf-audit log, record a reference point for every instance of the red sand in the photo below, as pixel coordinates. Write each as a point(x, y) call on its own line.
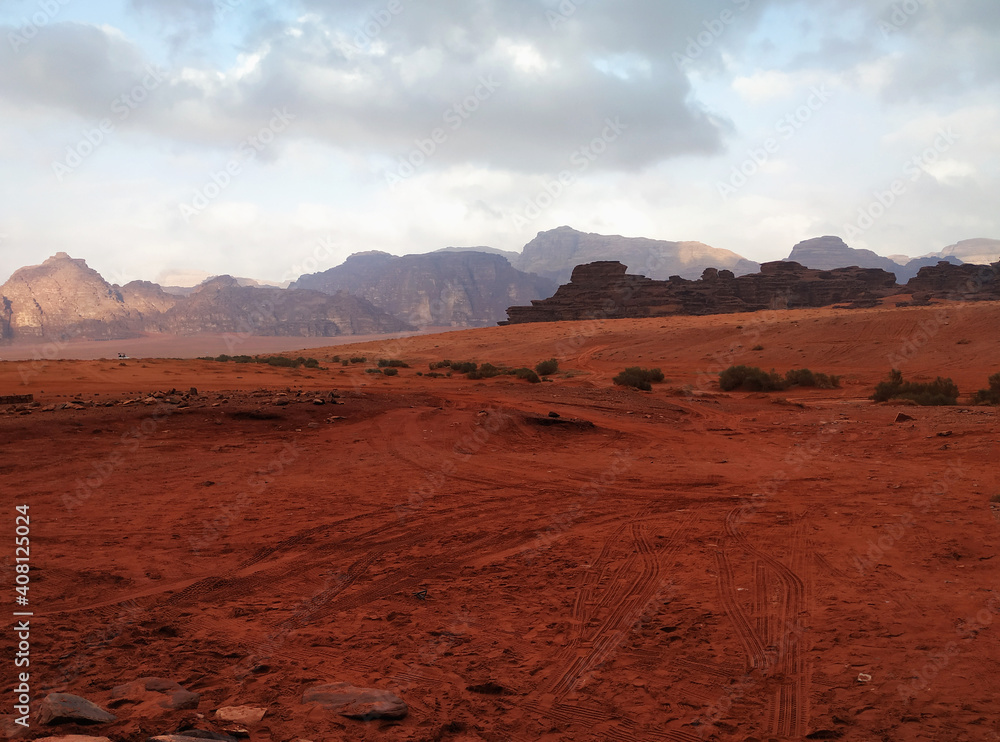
point(695, 566)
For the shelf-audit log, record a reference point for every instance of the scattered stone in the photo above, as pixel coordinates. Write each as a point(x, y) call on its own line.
point(902, 417)
point(945, 434)
point(193, 391)
point(357, 703)
point(62, 708)
point(553, 414)
point(241, 714)
point(318, 401)
point(192, 735)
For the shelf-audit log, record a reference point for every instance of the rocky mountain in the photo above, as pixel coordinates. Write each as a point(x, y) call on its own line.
point(981, 251)
point(65, 298)
point(554, 253)
point(446, 288)
point(826, 253)
point(222, 305)
point(604, 290)
point(509, 254)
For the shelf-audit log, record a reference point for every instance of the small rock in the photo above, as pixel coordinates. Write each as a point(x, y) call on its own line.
point(553, 414)
point(945, 434)
point(193, 391)
point(192, 735)
point(241, 714)
point(902, 417)
point(318, 401)
point(357, 703)
point(61, 708)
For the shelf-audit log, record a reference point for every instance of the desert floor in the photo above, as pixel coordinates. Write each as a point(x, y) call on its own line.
point(681, 564)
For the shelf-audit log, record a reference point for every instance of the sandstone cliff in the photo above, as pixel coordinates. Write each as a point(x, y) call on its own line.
point(604, 290)
point(554, 253)
point(966, 282)
point(449, 288)
point(63, 297)
point(827, 253)
point(222, 305)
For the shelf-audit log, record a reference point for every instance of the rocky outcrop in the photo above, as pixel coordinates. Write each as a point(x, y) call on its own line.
point(827, 253)
point(964, 282)
point(223, 306)
point(912, 267)
point(451, 289)
point(604, 290)
point(65, 708)
point(554, 253)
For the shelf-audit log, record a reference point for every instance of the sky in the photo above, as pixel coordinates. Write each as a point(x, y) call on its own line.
point(169, 140)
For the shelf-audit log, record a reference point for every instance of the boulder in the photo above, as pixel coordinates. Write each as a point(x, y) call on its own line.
point(65, 708)
point(245, 715)
point(153, 695)
point(357, 703)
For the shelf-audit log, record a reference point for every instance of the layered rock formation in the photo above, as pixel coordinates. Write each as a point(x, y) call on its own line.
point(604, 290)
point(222, 305)
point(452, 288)
point(980, 251)
point(554, 253)
point(965, 282)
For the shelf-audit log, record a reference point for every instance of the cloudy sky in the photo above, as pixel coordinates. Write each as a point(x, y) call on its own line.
point(158, 138)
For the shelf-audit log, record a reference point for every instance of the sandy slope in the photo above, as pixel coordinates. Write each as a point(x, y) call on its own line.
point(693, 566)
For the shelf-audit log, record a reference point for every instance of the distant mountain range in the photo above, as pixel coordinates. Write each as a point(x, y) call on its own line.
point(375, 292)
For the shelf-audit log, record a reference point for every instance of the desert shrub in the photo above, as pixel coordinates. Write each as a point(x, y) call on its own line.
point(373, 370)
point(464, 367)
point(805, 377)
point(359, 359)
point(433, 375)
point(242, 359)
point(639, 378)
point(391, 371)
point(991, 395)
point(224, 358)
point(547, 368)
point(485, 371)
point(938, 392)
point(335, 359)
point(439, 364)
point(345, 362)
point(279, 361)
point(391, 363)
point(311, 363)
point(528, 375)
point(750, 379)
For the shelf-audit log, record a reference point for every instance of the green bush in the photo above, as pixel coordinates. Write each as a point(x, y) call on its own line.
point(547, 368)
point(391, 371)
point(345, 362)
point(242, 359)
point(639, 378)
point(373, 370)
point(279, 361)
point(750, 379)
point(311, 363)
point(528, 375)
point(991, 395)
point(391, 363)
point(938, 392)
point(335, 359)
point(223, 358)
point(359, 359)
point(805, 377)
